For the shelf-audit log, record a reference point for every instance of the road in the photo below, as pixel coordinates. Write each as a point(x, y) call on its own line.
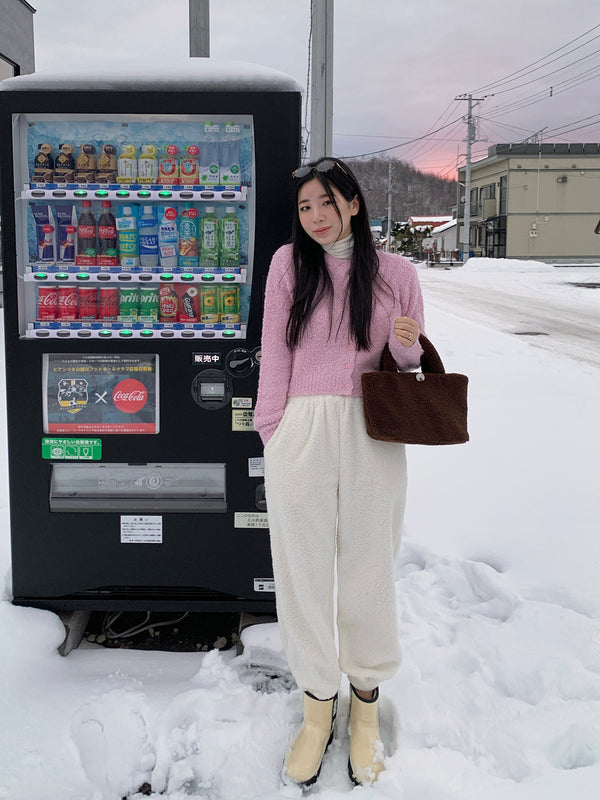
point(570, 330)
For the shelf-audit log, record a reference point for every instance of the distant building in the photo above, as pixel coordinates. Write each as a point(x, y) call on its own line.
point(421, 223)
point(16, 39)
point(444, 240)
point(534, 201)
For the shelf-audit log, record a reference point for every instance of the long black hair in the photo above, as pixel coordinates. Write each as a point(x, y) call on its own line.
point(312, 279)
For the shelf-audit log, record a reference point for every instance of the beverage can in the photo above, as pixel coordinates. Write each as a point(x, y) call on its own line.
point(68, 303)
point(108, 303)
point(88, 302)
point(149, 303)
point(168, 308)
point(189, 303)
point(47, 303)
point(129, 303)
point(230, 304)
point(209, 304)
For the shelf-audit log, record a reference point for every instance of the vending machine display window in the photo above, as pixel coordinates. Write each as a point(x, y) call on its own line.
point(134, 226)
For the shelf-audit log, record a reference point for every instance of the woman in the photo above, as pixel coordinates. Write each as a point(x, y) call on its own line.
point(335, 497)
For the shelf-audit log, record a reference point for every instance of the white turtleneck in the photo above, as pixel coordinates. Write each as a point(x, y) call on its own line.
point(342, 248)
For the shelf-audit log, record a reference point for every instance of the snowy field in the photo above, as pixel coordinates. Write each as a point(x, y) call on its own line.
point(498, 697)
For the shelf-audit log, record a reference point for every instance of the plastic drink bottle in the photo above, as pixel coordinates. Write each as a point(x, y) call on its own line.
point(188, 237)
point(128, 239)
point(230, 239)
point(188, 166)
point(148, 164)
point(86, 236)
point(148, 237)
point(209, 239)
point(127, 164)
point(229, 158)
point(168, 238)
point(168, 166)
point(108, 255)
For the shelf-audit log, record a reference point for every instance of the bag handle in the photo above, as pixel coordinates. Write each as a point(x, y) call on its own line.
point(430, 360)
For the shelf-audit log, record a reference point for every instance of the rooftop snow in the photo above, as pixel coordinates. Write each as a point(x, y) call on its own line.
point(188, 75)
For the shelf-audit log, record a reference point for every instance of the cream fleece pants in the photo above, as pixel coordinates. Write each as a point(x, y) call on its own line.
point(335, 493)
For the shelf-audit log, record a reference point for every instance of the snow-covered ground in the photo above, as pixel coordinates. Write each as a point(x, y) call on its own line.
point(498, 697)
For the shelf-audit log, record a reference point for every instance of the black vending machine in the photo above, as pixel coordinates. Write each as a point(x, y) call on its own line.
point(139, 216)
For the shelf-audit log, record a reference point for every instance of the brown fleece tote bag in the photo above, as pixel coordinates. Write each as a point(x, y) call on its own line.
point(426, 407)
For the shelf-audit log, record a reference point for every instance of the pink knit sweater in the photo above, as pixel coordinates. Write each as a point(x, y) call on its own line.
point(327, 363)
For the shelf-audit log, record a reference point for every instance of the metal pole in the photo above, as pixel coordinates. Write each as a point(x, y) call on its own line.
point(199, 28)
point(467, 218)
point(321, 108)
point(389, 208)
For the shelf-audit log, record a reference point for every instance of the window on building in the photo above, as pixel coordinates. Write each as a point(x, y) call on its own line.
point(7, 69)
point(487, 192)
point(503, 194)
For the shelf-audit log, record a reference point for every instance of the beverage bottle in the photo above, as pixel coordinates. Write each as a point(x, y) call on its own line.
point(229, 158)
point(209, 239)
point(188, 167)
point(129, 254)
point(230, 239)
point(168, 166)
point(168, 238)
point(127, 164)
point(108, 254)
point(86, 236)
point(148, 235)
point(188, 237)
point(85, 164)
point(148, 164)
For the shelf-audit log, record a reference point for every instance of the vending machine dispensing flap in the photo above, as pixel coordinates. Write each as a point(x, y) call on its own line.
point(135, 488)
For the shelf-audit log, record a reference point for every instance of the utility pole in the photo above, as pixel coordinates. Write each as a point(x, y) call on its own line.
point(389, 208)
point(321, 107)
point(199, 28)
point(471, 138)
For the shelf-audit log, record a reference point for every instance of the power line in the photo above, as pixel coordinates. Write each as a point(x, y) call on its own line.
point(503, 80)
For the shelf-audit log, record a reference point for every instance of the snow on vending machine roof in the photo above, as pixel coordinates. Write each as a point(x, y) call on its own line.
point(188, 75)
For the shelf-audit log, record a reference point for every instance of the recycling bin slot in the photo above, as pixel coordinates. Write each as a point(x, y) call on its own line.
point(138, 488)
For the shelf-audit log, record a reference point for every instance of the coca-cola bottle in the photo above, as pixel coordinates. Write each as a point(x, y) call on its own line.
point(86, 236)
point(108, 254)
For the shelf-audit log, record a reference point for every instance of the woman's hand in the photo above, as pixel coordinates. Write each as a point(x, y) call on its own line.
point(406, 330)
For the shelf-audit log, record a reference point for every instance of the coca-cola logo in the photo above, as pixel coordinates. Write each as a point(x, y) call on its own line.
point(68, 299)
point(130, 396)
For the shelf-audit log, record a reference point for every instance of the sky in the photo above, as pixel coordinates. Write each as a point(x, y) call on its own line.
point(398, 66)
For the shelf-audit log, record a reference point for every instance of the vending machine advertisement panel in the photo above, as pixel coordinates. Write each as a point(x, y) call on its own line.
point(139, 217)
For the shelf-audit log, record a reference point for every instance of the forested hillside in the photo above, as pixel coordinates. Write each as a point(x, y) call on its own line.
point(413, 192)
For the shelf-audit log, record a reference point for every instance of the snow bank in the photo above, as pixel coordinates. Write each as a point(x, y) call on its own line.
point(504, 265)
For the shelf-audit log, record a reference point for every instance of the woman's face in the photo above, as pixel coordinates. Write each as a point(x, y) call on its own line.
point(318, 215)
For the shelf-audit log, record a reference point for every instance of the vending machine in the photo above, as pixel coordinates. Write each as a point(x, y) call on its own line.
point(139, 217)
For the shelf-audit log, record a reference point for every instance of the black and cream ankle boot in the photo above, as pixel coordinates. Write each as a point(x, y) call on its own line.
point(366, 748)
point(304, 758)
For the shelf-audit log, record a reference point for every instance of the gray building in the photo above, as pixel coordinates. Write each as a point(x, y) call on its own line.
point(16, 38)
point(535, 201)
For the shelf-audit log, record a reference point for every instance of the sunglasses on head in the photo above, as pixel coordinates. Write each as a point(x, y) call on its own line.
point(323, 166)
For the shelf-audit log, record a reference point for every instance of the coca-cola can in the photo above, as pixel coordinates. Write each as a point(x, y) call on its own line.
point(168, 309)
point(68, 303)
point(189, 303)
point(88, 302)
point(47, 303)
point(108, 303)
